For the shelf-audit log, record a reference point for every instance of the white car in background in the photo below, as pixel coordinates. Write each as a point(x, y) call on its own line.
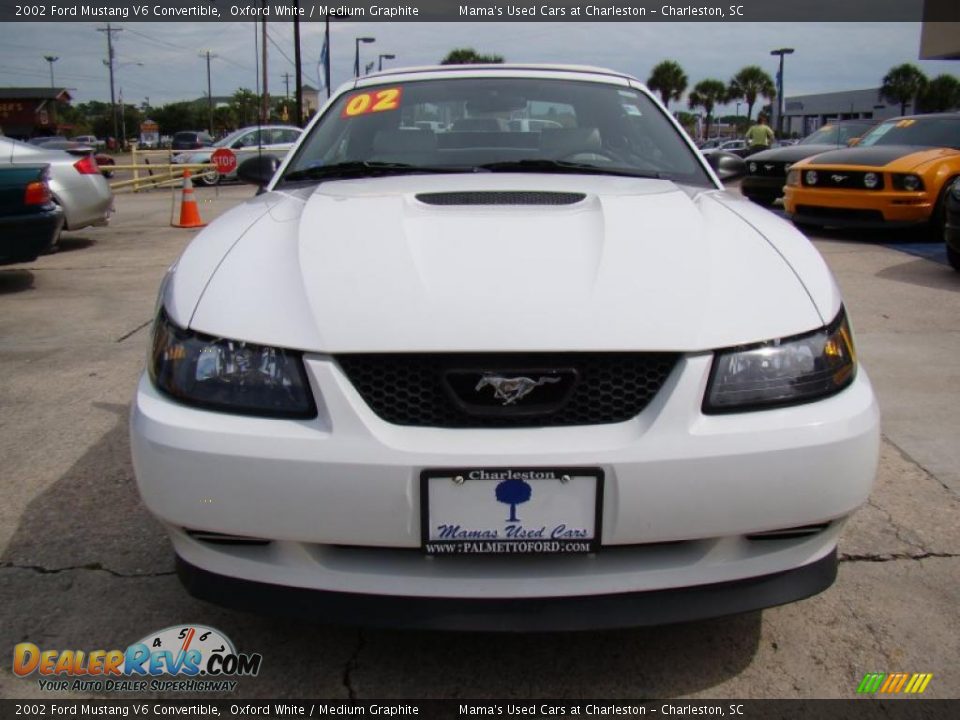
point(545, 379)
point(276, 140)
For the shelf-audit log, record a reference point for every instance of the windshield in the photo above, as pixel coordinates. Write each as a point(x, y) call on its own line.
point(926, 131)
point(497, 124)
point(835, 134)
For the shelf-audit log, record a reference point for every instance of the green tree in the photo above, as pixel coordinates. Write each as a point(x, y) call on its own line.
point(902, 84)
point(174, 117)
point(706, 94)
point(668, 79)
point(245, 104)
point(940, 94)
point(469, 56)
point(750, 83)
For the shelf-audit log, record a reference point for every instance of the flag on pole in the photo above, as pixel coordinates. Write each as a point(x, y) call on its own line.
point(323, 64)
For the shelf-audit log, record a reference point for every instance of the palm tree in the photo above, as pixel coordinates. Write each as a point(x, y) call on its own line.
point(706, 94)
point(668, 79)
point(941, 94)
point(469, 56)
point(902, 84)
point(750, 83)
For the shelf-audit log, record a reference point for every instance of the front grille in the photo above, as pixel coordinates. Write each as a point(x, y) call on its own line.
point(501, 197)
point(409, 389)
point(838, 214)
point(767, 169)
point(849, 179)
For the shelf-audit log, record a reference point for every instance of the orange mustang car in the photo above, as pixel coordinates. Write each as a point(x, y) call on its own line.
point(896, 176)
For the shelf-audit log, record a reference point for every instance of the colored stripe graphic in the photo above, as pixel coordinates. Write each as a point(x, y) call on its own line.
point(908, 683)
point(871, 682)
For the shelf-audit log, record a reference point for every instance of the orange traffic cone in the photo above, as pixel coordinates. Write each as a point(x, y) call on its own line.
point(189, 214)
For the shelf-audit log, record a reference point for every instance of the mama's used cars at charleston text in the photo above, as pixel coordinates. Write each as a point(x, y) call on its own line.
point(508, 378)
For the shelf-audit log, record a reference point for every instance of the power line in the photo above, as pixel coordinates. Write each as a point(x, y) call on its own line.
point(280, 50)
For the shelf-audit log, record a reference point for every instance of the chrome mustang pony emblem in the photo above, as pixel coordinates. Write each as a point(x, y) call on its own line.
point(838, 178)
point(511, 389)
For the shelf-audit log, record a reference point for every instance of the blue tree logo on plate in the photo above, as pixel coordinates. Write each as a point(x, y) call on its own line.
point(513, 492)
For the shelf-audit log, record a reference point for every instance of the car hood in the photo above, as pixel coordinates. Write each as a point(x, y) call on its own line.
point(791, 153)
point(906, 157)
point(366, 266)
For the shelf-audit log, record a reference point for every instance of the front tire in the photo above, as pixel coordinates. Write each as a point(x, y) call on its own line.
point(210, 178)
point(953, 257)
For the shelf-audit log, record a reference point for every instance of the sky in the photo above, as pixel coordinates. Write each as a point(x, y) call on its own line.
point(161, 61)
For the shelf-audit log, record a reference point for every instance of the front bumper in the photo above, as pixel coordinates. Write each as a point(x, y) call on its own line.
point(591, 612)
point(338, 496)
point(765, 187)
point(857, 208)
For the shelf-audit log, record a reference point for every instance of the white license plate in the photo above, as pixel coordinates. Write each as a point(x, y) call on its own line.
point(510, 511)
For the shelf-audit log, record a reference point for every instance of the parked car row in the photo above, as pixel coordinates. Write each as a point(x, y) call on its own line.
point(74, 179)
point(767, 170)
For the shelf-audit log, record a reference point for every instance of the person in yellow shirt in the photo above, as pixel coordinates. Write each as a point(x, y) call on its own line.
point(760, 136)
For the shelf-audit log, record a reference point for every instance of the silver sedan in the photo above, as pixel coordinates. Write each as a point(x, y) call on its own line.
point(75, 181)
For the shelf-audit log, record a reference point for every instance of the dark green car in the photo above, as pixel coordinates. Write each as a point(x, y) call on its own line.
point(29, 219)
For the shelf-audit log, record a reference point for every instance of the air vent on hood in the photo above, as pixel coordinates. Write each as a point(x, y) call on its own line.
point(501, 197)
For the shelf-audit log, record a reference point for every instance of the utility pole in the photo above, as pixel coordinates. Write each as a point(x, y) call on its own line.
point(265, 109)
point(209, 91)
point(109, 63)
point(286, 84)
point(298, 85)
point(51, 59)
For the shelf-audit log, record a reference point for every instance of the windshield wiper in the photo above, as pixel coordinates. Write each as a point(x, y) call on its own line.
point(368, 168)
point(564, 166)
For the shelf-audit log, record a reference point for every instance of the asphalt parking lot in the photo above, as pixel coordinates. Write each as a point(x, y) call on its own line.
point(83, 566)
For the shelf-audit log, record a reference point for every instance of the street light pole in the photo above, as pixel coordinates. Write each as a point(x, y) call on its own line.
point(51, 59)
point(781, 52)
point(356, 54)
point(385, 56)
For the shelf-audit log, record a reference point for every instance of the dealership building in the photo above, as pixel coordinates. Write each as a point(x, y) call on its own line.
point(803, 114)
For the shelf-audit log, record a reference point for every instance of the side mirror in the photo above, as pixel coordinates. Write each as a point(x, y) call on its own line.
point(853, 141)
point(258, 170)
point(726, 165)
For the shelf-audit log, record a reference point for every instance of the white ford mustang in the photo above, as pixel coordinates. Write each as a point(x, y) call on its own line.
point(454, 371)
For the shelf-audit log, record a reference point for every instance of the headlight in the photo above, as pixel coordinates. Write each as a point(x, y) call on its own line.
point(753, 168)
point(870, 180)
point(228, 375)
point(810, 177)
point(910, 183)
point(782, 372)
point(793, 177)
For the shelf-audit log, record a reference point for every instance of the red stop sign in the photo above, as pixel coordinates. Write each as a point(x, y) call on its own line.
point(225, 160)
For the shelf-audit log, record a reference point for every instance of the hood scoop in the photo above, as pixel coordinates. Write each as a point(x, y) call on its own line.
point(501, 197)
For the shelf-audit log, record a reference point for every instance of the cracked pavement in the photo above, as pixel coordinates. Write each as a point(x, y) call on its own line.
point(83, 566)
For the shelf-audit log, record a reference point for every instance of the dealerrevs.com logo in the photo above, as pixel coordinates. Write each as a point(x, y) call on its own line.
point(181, 658)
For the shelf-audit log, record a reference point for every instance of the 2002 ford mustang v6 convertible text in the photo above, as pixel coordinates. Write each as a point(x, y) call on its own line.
point(514, 376)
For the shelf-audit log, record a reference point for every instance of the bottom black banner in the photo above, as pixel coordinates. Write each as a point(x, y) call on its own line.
point(861, 709)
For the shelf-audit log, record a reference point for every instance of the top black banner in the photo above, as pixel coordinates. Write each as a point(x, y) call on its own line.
point(482, 10)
